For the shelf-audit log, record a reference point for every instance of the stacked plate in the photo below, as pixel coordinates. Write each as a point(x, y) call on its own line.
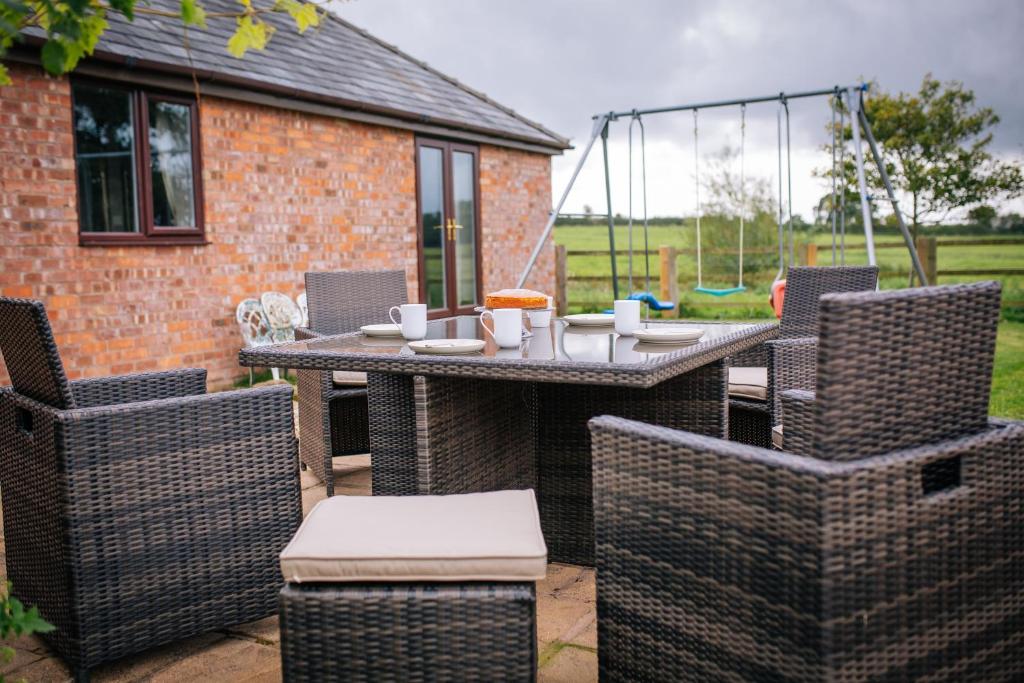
point(385, 330)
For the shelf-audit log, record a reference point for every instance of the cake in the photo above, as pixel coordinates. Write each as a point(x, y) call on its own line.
point(516, 298)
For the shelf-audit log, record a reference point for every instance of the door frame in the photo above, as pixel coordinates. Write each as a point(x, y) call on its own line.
point(447, 147)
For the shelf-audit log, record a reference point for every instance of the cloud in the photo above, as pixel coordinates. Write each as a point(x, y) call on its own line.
point(561, 62)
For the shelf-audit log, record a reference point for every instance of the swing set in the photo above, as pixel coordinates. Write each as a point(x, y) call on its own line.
point(853, 96)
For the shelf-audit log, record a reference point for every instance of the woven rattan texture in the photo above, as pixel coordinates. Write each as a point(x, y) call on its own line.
point(343, 301)
point(393, 438)
point(903, 368)
point(790, 367)
point(136, 524)
point(333, 421)
point(30, 354)
point(475, 435)
point(408, 633)
point(695, 401)
point(147, 386)
point(804, 287)
point(721, 561)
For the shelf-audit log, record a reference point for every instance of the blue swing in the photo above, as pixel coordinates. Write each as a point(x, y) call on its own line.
point(653, 303)
point(700, 288)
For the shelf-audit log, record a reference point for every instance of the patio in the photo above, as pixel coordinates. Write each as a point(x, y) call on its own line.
point(566, 626)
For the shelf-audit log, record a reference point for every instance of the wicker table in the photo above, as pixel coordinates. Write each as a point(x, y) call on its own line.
point(517, 418)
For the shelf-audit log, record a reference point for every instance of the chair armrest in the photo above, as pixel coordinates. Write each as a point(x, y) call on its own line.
point(798, 421)
point(306, 333)
point(147, 386)
point(226, 463)
point(792, 364)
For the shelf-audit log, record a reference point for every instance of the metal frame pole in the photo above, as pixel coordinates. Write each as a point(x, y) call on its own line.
point(853, 103)
point(611, 218)
point(911, 247)
point(599, 125)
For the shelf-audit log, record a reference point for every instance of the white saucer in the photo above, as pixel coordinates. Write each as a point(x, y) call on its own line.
point(668, 335)
point(447, 347)
point(385, 330)
point(590, 319)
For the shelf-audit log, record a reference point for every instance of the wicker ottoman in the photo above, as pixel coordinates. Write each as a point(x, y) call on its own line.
point(413, 588)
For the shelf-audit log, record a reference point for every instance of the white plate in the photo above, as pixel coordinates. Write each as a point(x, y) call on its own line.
point(385, 330)
point(668, 335)
point(447, 347)
point(590, 319)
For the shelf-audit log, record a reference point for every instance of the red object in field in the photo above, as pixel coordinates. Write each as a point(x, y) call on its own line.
point(777, 295)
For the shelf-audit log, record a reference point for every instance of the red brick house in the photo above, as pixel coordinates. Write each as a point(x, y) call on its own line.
point(145, 195)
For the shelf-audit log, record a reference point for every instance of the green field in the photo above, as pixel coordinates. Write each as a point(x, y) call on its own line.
point(720, 271)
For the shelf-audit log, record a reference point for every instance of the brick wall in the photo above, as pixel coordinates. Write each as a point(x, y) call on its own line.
point(285, 192)
point(515, 198)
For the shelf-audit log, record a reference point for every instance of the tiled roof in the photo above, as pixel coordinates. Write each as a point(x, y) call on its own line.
point(336, 62)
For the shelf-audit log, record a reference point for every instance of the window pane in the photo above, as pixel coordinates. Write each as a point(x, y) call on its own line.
point(170, 152)
point(464, 189)
point(432, 206)
point(105, 154)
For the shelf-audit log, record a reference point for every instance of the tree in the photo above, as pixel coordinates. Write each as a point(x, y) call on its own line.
point(73, 27)
point(934, 144)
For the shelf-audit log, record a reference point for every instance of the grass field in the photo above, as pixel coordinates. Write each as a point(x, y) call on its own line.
point(720, 271)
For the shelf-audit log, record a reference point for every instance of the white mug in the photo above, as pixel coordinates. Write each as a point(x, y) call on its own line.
point(508, 326)
point(414, 320)
point(627, 316)
point(539, 318)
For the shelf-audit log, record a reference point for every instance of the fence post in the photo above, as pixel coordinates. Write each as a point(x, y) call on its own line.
point(927, 251)
point(669, 278)
point(809, 254)
point(561, 280)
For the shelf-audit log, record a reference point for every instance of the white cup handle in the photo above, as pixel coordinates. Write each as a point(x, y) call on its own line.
point(485, 326)
point(391, 314)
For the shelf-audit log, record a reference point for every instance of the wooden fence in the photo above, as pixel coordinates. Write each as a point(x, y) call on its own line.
point(668, 287)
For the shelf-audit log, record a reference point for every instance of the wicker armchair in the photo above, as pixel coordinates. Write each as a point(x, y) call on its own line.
point(138, 509)
point(787, 362)
point(892, 550)
point(333, 418)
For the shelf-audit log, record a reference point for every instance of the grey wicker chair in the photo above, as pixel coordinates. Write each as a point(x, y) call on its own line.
point(788, 362)
point(138, 509)
point(890, 550)
point(333, 417)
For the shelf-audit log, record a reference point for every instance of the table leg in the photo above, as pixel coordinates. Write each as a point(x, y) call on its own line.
point(392, 416)
point(696, 402)
point(474, 435)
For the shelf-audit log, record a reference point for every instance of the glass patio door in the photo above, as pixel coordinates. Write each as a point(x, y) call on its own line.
point(448, 225)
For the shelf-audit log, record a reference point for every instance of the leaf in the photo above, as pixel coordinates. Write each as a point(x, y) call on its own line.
point(304, 14)
point(5, 78)
point(125, 7)
point(192, 13)
point(54, 56)
point(33, 623)
point(250, 35)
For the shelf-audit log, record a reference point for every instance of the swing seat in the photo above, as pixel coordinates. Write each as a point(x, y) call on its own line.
point(652, 302)
point(719, 292)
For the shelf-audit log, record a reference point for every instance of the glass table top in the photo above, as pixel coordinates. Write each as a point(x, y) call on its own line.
point(559, 342)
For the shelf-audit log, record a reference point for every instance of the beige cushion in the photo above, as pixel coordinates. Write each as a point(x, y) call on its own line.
point(749, 383)
point(777, 436)
point(348, 378)
point(492, 536)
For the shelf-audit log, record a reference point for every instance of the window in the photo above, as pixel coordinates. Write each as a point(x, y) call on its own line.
point(137, 158)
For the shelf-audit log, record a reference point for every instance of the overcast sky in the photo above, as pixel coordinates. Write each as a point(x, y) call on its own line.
point(561, 61)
